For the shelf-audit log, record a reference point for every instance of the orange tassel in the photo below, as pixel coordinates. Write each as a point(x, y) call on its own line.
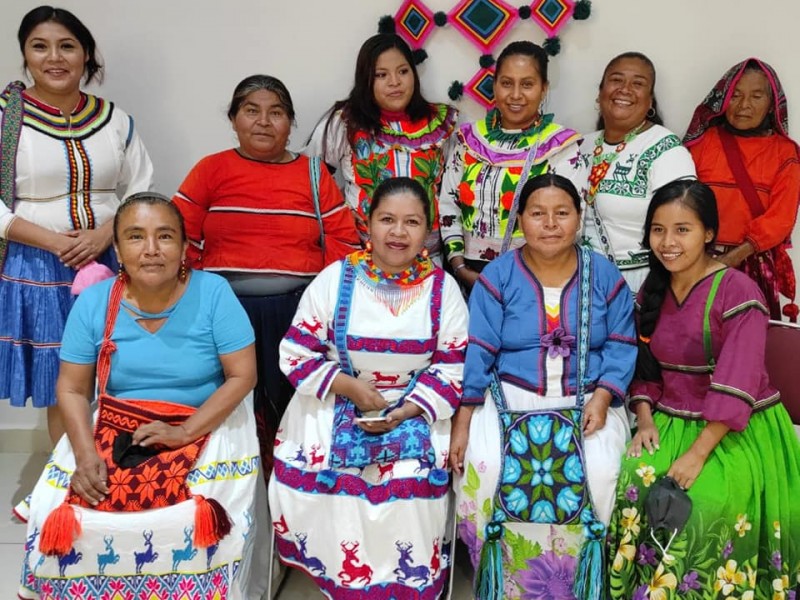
point(60, 530)
point(211, 522)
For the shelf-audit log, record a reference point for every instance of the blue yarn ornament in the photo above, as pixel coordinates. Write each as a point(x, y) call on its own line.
point(489, 574)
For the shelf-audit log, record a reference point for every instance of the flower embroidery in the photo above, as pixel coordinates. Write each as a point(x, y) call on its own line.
point(558, 343)
point(689, 582)
point(625, 552)
point(781, 587)
point(728, 577)
point(647, 473)
point(632, 493)
point(647, 556)
point(548, 576)
point(726, 551)
point(776, 525)
point(630, 520)
point(742, 526)
point(660, 583)
point(541, 472)
point(777, 562)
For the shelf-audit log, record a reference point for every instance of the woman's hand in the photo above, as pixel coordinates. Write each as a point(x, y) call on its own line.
point(158, 433)
point(459, 437)
point(646, 431)
point(89, 480)
point(392, 420)
point(595, 411)
point(89, 244)
point(686, 469)
point(466, 276)
point(365, 396)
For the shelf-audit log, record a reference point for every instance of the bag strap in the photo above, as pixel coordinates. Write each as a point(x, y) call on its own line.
point(314, 166)
point(108, 347)
point(523, 179)
point(584, 321)
point(10, 131)
point(712, 293)
point(734, 157)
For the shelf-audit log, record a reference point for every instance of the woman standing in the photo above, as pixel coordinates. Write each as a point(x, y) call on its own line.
point(385, 128)
point(709, 419)
point(631, 156)
point(532, 468)
point(740, 143)
point(268, 220)
point(484, 172)
point(68, 160)
point(376, 353)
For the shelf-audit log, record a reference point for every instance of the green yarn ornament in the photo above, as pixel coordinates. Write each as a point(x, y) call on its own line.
point(486, 61)
point(583, 9)
point(440, 18)
point(419, 55)
point(455, 91)
point(524, 12)
point(386, 24)
point(552, 45)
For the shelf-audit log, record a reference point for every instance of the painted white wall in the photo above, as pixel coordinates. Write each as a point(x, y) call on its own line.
point(173, 65)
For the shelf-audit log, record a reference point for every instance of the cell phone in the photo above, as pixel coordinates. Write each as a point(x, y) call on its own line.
point(369, 419)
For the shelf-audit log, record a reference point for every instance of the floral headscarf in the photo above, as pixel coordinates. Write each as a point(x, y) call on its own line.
point(719, 97)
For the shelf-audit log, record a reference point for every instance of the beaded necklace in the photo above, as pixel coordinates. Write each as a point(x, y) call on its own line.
point(396, 291)
point(601, 162)
point(495, 133)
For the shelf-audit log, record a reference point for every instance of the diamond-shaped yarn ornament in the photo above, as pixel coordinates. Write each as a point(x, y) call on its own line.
point(552, 15)
point(483, 22)
point(414, 22)
point(481, 88)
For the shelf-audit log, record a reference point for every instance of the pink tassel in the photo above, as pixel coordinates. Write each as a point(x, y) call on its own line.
point(89, 274)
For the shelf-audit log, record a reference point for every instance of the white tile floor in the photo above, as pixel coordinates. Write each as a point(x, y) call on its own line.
point(19, 472)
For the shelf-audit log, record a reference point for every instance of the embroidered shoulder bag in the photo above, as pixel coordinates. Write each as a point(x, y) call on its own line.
point(10, 131)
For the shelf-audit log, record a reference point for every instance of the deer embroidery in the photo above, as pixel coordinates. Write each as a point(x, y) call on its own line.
point(148, 556)
point(385, 470)
point(425, 463)
point(73, 558)
point(294, 361)
point(312, 562)
point(312, 327)
point(378, 377)
point(406, 570)
point(184, 554)
point(109, 557)
point(454, 344)
point(300, 456)
point(351, 572)
point(280, 526)
point(316, 459)
point(435, 562)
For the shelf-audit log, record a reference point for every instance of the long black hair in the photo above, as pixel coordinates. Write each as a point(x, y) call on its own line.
point(360, 112)
point(700, 199)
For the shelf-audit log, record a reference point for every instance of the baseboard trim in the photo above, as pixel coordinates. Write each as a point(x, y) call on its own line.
point(28, 441)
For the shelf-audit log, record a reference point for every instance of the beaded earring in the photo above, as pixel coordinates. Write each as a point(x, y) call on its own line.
point(183, 272)
point(424, 253)
point(122, 275)
point(368, 246)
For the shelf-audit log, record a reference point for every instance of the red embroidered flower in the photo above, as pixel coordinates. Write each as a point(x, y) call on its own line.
point(506, 199)
point(465, 193)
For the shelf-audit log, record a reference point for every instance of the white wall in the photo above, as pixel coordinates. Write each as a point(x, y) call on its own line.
point(173, 64)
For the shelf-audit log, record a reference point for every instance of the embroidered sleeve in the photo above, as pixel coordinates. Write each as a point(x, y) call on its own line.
point(618, 354)
point(673, 162)
point(739, 346)
point(570, 163)
point(193, 199)
point(777, 222)
point(438, 389)
point(485, 327)
point(137, 169)
point(334, 149)
point(449, 205)
point(306, 355)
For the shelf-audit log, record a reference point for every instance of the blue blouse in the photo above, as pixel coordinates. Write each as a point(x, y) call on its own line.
point(179, 362)
point(508, 318)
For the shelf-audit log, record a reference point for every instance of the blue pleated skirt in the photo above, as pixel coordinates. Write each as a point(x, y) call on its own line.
point(35, 300)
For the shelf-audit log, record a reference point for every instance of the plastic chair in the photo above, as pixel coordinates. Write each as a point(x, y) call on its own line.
point(782, 353)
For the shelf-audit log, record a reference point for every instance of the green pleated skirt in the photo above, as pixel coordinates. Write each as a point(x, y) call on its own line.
point(742, 539)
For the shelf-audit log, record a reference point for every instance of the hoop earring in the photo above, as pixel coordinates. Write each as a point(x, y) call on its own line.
point(424, 253)
point(183, 272)
point(368, 246)
point(651, 113)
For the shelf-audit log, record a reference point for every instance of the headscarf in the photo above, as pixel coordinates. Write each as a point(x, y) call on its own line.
point(718, 99)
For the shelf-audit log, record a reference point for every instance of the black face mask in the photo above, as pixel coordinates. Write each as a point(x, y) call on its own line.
point(667, 507)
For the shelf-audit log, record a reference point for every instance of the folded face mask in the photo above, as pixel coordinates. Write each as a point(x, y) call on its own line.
point(667, 507)
point(127, 455)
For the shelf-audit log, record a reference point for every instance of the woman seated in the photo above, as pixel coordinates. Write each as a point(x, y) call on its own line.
point(386, 128)
point(710, 420)
point(631, 156)
point(268, 220)
point(739, 139)
point(484, 173)
point(157, 497)
point(551, 328)
point(359, 494)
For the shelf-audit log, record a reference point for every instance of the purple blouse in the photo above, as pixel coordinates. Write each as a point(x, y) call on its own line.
point(738, 384)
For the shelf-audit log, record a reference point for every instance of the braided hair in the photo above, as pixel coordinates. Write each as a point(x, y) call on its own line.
point(699, 198)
